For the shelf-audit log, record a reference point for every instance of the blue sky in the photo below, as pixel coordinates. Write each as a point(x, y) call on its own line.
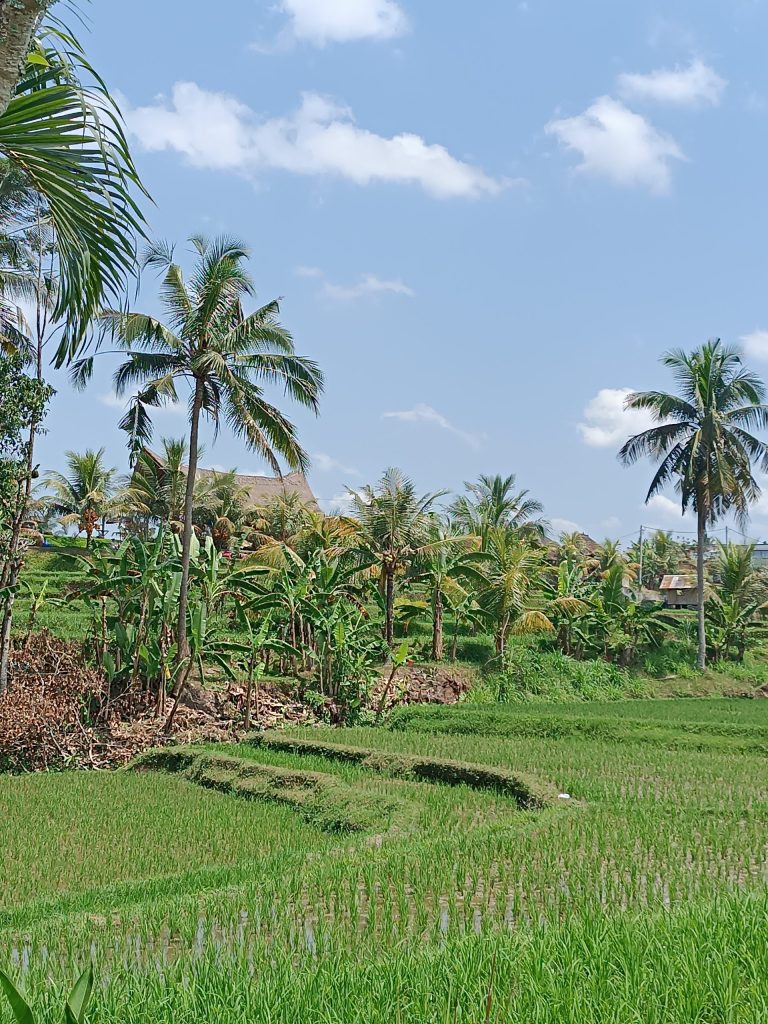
point(486, 221)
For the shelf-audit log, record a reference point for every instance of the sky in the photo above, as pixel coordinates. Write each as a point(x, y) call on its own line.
point(486, 222)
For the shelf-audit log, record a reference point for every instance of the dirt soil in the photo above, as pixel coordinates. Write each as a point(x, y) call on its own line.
point(53, 694)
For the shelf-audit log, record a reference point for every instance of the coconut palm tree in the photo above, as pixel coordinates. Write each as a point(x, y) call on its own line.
point(446, 565)
point(394, 529)
point(702, 442)
point(60, 127)
point(83, 495)
point(492, 502)
point(225, 355)
point(220, 505)
point(512, 598)
point(156, 489)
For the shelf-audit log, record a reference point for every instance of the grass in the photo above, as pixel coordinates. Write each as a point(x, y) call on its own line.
point(644, 902)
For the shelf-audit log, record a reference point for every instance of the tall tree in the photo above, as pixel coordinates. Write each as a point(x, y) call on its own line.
point(82, 496)
point(155, 492)
point(224, 354)
point(446, 565)
point(22, 403)
point(703, 442)
point(513, 594)
point(394, 528)
point(492, 502)
point(61, 128)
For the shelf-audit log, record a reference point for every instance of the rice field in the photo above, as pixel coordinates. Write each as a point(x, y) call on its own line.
point(642, 899)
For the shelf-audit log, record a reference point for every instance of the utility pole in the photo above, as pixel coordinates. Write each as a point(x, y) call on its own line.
point(726, 536)
point(640, 567)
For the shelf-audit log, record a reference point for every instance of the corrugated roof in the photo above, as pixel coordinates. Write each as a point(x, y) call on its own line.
point(678, 583)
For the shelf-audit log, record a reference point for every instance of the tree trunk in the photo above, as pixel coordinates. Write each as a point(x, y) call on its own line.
point(249, 694)
point(437, 625)
point(455, 640)
point(18, 23)
point(10, 579)
point(186, 542)
point(389, 625)
point(701, 540)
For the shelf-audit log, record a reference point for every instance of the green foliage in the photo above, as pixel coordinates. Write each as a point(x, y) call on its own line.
point(74, 1009)
point(192, 904)
point(63, 129)
point(528, 792)
point(531, 672)
point(322, 800)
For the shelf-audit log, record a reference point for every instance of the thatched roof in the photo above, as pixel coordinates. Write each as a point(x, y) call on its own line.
point(263, 488)
point(260, 488)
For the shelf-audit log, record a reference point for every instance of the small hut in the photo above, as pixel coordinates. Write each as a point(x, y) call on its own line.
point(679, 591)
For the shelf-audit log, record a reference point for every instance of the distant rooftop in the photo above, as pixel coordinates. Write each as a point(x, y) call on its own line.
point(678, 583)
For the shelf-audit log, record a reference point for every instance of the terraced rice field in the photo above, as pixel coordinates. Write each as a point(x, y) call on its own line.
point(285, 881)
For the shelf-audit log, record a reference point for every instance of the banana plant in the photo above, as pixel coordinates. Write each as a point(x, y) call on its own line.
point(75, 1006)
point(247, 656)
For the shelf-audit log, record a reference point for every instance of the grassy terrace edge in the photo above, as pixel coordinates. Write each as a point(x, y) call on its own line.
point(529, 792)
point(323, 800)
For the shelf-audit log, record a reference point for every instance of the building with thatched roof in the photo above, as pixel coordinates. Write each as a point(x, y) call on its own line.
point(261, 489)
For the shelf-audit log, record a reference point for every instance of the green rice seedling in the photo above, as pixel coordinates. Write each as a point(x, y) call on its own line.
point(647, 904)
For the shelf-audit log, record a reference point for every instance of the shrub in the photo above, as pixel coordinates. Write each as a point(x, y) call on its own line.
point(531, 672)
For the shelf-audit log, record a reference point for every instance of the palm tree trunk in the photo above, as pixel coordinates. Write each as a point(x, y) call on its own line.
point(437, 625)
point(18, 22)
point(389, 626)
point(701, 541)
point(186, 542)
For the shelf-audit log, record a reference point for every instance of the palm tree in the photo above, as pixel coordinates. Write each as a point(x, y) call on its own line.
point(83, 496)
point(394, 528)
point(63, 131)
point(220, 505)
point(736, 575)
point(156, 489)
point(446, 564)
point(224, 354)
point(513, 595)
point(702, 442)
point(492, 502)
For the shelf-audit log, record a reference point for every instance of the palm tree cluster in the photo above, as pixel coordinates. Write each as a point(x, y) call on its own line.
point(329, 599)
point(69, 227)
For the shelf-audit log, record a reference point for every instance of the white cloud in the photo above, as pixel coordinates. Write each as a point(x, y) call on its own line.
point(611, 523)
point(756, 344)
point(564, 526)
point(368, 284)
point(215, 130)
point(327, 464)
point(691, 86)
point(426, 414)
point(667, 508)
point(607, 423)
point(341, 503)
point(111, 400)
point(616, 143)
point(342, 21)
